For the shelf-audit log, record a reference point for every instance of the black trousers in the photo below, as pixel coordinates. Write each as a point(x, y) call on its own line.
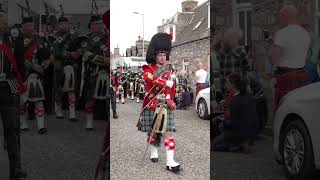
point(9, 111)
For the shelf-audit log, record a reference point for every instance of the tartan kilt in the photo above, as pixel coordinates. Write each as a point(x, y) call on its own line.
point(289, 82)
point(147, 120)
point(121, 89)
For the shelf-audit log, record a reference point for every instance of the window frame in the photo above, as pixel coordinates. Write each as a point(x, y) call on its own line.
point(236, 9)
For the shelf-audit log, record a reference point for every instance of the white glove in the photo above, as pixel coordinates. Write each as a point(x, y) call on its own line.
point(169, 83)
point(173, 76)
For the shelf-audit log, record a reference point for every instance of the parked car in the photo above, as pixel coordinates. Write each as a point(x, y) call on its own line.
point(203, 103)
point(297, 132)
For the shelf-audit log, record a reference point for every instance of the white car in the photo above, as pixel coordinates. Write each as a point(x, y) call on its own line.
point(297, 132)
point(203, 103)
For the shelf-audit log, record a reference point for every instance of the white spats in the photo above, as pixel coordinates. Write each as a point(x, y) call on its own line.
point(58, 109)
point(170, 161)
point(154, 152)
point(23, 122)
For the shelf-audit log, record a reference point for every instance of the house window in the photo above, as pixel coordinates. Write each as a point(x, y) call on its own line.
point(191, 18)
point(242, 14)
point(185, 65)
point(209, 15)
point(198, 24)
point(317, 17)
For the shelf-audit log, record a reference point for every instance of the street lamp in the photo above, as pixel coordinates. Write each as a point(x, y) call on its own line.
point(142, 31)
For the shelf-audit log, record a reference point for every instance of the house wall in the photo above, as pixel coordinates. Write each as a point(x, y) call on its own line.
point(196, 52)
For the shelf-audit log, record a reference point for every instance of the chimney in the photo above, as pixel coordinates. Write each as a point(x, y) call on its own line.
point(188, 5)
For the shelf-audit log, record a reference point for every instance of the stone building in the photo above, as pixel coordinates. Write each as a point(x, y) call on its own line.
point(190, 35)
point(138, 48)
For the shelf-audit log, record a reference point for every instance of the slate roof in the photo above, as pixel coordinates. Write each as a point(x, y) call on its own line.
point(190, 33)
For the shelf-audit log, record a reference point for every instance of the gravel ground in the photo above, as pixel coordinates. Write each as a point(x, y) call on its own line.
point(128, 146)
point(67, 152)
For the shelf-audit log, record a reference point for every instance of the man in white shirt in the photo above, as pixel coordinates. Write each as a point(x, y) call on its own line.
point(289, 52)
point(200, 78)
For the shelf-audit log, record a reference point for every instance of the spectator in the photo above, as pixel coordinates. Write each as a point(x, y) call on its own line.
point(230, 56)
point(182, 78)
point(287, 55)
point(240, 124)
point(185, 99)
point(200, 78)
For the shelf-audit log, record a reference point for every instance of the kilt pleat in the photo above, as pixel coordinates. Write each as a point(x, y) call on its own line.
point(147, 120)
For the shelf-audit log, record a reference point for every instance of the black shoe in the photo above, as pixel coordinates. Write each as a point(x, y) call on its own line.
point(89, 129)
point(73, 119)
point(20, 175)
point(59, 117)
point(25, 129)
point(154, 159)
point(174, 169)
point(115, 116)
point(42, 131)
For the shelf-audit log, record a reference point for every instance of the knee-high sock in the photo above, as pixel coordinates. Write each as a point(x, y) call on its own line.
point(39, 112)
point(122, 98)
point(72, 105)
point(58, 108)
point(89, 115)
point(23, 122)
point(170, 144)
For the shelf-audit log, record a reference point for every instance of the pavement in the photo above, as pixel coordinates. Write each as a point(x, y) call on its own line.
point(259, 165)
point(128, 146)
point(67, 152)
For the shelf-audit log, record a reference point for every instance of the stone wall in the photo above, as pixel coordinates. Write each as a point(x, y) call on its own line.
point(221, 14)
point(195, 53)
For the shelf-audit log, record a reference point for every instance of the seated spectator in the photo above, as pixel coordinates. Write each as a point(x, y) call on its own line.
point(240, 123)
point(185, 99)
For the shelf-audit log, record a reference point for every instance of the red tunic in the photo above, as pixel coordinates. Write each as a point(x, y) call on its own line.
point(152, 80)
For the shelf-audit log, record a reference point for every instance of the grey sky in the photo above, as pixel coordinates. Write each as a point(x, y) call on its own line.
point(126, 26)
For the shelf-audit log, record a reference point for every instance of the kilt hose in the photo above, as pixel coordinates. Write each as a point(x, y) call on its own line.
point(113, 99)
point(288, 82)
point(147, 120)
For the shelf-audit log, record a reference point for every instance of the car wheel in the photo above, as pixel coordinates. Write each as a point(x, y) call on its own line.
point(203, 109)
point(297, 152)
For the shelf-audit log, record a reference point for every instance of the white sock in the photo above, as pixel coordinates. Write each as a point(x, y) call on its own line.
point(89, 117)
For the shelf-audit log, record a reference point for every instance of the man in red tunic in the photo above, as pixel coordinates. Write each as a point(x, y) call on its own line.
point(159, 100)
